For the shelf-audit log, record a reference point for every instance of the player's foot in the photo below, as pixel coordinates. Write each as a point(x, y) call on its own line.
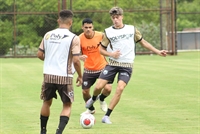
point(90, 102)
point(88, 111)
point(106, 120)
point(43, 131)
point(103, 106)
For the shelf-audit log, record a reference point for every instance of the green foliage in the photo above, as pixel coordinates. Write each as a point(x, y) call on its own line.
point(31, 26)
point(153, 38)
point(6, 36)
point(189, 17)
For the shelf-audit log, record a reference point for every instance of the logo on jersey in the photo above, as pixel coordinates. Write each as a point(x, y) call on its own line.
point(105, 72)
point(121, 37)
point(47, 36)
point(93, 47)
point(56, 36)
point(65, 36)
point(85, 83)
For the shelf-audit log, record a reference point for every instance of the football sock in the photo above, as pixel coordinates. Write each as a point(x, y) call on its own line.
point(43, 122)
point(94, 98)
point(91, 108)
point(109, 111)
point(63, 122)
point(102, 97)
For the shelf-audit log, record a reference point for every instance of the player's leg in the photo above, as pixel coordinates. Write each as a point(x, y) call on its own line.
point(45, 110)
point(120, 87)
point(97, 90)
point(107, 75)
point(64, 117)
point(47, 93)
point(105, 93)
point(123, 78)
point(67, 96)
point(88, 80)
point(44, 116)
point(86, 97)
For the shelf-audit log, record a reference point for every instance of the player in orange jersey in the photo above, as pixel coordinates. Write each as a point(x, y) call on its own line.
point(94, 63)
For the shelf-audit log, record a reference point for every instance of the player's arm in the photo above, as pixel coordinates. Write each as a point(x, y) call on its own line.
point(40, 53)
point(75, 59)
point(104, 44)
point(147, 45)
point(82, 56)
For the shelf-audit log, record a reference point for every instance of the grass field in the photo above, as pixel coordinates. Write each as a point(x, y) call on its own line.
point(162, 98)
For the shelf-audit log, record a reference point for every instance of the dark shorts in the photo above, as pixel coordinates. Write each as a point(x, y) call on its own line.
point(109, 73)
point(89, 79)
point(64, 90)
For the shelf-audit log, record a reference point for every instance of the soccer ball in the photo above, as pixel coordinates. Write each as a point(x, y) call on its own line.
point(87, 121)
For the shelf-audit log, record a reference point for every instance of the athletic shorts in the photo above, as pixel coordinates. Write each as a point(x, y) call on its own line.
point(65, 91)
point(109, 73)
point(89, 79)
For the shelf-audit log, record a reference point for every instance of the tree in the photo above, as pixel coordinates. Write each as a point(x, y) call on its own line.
point(188, 14)
point(32, 23)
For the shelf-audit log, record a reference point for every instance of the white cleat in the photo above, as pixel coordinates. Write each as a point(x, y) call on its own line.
point(106, 120)
point(88, 111)
point(90, 102)
point(103, 106)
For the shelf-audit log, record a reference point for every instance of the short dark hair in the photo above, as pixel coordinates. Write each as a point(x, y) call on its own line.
point(87, 20)
point(64, 14)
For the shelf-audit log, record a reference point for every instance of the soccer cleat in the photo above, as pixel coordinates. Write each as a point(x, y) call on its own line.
point(106, 120)
point(88, 111)
point(43, 131)
point(90, 102)
point(103, 106)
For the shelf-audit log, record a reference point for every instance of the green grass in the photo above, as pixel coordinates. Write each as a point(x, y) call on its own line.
point(162, 97)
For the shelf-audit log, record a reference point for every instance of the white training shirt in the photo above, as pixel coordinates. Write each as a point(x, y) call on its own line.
point(123, 40)
point(57, 45)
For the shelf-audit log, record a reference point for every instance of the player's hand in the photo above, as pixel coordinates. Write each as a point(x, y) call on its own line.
point(83, 57)
point(163, 53)
point(79, 81)
point(116, 54)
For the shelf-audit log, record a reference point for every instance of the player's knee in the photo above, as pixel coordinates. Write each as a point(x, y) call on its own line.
point(108, 89)
point(120, 89)
point(98, 87)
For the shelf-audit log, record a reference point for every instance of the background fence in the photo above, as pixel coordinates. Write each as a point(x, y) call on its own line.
point(24, 23)
point(188, 40)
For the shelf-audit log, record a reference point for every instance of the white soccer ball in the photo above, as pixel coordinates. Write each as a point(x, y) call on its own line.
point(87, 121)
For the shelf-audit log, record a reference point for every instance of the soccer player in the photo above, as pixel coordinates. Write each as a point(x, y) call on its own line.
point(122, 39)
point(60, 50)
point(94, 63)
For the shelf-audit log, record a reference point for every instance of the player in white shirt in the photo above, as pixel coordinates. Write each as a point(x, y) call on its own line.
point(122, 39)
point(59, 49)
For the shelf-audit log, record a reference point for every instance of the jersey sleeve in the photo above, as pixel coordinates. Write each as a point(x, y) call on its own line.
point(138, 36)
point(105, 41)
point(41, 47)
